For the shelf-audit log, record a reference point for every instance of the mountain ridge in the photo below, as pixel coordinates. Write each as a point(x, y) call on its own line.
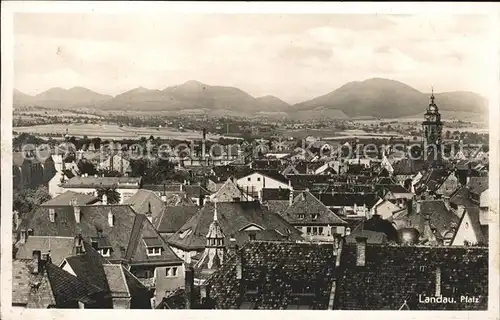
point(375, 97)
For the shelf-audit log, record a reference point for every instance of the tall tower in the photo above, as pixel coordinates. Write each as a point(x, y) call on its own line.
point(432, 128)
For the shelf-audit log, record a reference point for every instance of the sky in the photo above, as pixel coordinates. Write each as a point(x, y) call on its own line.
point(294, 57)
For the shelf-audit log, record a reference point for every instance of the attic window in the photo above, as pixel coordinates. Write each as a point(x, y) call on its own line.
point(30, 232)
point(301, 216)
point(314, 216)
point(252, 236)
point(154, 251)
point(185, 233)
point(105, 252)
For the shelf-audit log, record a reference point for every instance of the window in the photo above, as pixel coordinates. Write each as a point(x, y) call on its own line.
point(320, 230)
point(156, 251)
point(258, 179)
point(301, 216)
point(147, 274)
point(105, 252)
point(249, 179)
point(314, 216)
point(30, 232)
point(308, 230)
point(171, 272)
point(252, 236)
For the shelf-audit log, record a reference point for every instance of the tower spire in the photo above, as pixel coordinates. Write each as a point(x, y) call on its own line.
point(215, 209)
point(432, 95)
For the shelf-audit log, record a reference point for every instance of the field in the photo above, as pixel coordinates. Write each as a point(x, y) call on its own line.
point(110, 131)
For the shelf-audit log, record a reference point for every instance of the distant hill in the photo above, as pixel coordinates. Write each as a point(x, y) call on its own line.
point(273, 103)
point(21, 99)
point(61, 98)
point(385, 98)
point(372, 98)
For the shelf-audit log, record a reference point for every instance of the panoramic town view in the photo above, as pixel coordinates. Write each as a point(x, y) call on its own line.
point(299, 162)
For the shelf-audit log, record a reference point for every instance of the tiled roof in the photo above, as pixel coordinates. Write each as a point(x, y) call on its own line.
point(348, 199)
point(116, 280)
point(55, 287)
point(228, 192)
point(17, 159)
point(441, 219)
point(88, 267)
point(65, 198)
point(478, 185)
point(232, 217)
point(147, 202)
point(396, 188)
point(408, 166)
point(303, 181)
point(476, 225)
point(433, 179)
point(313, 211)
point(373, 237)
point(60, 247)
point(461, 197)
point(277, 206)
point(222, 173)
point(103, 182)
point(124, 236)
point(275, 194)
point(281, 281)
point(192, 190)
point(408, 270)
point(173, 218)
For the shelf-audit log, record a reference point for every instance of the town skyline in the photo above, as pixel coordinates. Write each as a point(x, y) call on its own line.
point(292, 57)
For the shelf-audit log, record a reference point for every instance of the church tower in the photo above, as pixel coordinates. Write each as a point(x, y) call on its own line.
point(432, 128)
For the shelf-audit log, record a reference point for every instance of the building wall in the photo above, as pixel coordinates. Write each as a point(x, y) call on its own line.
point(465, 233)
point(258, 181)
point(165, 283)
point(484, 199)
point(386, 208)
point(121, 303)
point(124, 193)
point(320, 232)
point(449, 186)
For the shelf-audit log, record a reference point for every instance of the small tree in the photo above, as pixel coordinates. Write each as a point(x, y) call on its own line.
point(111, 193)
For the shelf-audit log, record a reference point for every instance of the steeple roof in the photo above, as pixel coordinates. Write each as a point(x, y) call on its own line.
point(215, 230)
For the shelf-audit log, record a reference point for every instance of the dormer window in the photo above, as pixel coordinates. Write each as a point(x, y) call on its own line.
point(185, 233)
point(105, 252)
point(301, 216)
point(252, 236)
point(314, 216)
point(154, 251)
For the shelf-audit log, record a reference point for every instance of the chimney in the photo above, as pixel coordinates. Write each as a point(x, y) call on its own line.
point(37, 255)
point(111, 218)
point(16, 219)
point(189, 286)
point(181, 185)
point(104, 199)
point(418, 206)
point(23, 236)
point(76, 210)
point(233, 247)
point(52, 214)
point(290, 197)
point(467, 180)
point(203, 144)
point(438, 282)
point(78, 244)
point(361, 251)
point(409, 206)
